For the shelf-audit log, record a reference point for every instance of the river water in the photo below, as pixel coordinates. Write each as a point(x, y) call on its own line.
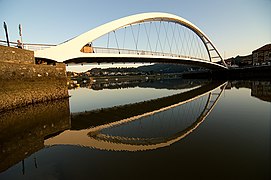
point(159, 129)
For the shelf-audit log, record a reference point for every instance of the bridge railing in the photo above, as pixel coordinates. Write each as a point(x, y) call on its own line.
point(140, 52)
point(28, 46)
point(35, 47)
point(4, 43)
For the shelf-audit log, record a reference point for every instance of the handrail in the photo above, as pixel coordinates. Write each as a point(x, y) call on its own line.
point(28, 46)
point(35, 44)
point(140, 52)
point(35, 47)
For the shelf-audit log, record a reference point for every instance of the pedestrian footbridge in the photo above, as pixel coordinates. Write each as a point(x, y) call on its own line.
point(148, 37)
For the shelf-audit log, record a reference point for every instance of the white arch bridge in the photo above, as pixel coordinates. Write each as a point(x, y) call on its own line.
point(147, 37)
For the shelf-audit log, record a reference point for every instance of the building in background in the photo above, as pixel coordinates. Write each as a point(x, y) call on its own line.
point(262, 55)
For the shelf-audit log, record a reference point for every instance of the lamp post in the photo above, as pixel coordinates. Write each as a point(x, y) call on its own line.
point(21, 35)
point(6, 31)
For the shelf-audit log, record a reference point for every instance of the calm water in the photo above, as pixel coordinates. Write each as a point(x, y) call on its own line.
point(167, 129)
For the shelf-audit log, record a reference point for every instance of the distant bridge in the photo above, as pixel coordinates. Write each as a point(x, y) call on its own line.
point(146, 37)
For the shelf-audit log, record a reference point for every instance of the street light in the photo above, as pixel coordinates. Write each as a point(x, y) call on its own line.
point(6, 31)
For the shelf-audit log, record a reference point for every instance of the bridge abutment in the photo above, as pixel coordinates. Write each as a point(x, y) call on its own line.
point(23, 82)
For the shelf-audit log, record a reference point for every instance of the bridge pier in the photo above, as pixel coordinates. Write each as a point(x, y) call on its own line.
point(23, 82)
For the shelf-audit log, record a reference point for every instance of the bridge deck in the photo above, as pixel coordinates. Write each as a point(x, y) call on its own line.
point(134, 58)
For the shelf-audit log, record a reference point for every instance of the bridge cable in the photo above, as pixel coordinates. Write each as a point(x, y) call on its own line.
point(175, 40)
point(124, 37)
point(205, 54)
point(202, 51)
point(116, 41)
point(173, 35)
point(179, 39)
point(189, 43)
point(147, 38)
point(158, 38)
point(166, 39)
point(199, 49)
point(150, 34)
point(182, 38)
point(138, 35)
point(169, 42)
point(186, 42)
point(196, 46)
point(108, 41)
point(192, 46)
point(134, 37)
point(182, 41)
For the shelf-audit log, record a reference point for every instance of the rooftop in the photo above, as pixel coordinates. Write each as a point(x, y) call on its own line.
point(266, 47)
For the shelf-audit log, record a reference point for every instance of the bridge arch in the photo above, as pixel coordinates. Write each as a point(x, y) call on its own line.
point(71, 49)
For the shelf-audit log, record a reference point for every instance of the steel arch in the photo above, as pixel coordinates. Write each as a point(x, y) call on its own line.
point(71, 49)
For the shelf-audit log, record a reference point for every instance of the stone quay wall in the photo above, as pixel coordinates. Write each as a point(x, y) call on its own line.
point(16, 55)
point(22, 82)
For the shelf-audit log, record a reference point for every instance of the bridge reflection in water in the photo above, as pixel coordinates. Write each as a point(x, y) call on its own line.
point(133, 127)
point(142, 126)
point(31, 137)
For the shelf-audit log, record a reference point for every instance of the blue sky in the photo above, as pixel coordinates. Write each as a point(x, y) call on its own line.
point(234, 26)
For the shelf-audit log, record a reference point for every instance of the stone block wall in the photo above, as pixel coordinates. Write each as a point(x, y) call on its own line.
point(16, 55)
point(22, 82)
point(31, 72)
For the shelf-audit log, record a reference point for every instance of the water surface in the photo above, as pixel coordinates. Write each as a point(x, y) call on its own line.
point(184, 129)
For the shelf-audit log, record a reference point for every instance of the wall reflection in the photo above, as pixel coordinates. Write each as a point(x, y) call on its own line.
point(259, 89)
point(24, 130)
point(157, 83)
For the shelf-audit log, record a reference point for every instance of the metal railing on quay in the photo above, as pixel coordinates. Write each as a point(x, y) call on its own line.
point(4, 43)
point(28, 46)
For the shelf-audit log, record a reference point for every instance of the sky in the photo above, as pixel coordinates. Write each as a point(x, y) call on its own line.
point(236, 27)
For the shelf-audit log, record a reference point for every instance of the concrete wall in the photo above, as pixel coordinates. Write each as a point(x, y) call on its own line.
point(22, 82)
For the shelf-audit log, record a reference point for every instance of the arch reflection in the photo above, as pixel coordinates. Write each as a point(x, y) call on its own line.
point(100, 134)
